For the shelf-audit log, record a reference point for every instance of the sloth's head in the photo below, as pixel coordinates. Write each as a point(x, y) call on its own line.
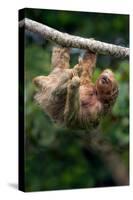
point(107, 87)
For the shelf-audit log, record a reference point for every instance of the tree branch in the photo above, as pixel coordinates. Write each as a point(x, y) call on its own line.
point(67, 40)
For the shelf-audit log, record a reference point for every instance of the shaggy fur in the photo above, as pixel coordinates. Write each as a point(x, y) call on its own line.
point(69, 96)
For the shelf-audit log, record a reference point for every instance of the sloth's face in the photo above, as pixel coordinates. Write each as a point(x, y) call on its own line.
point(107, 87)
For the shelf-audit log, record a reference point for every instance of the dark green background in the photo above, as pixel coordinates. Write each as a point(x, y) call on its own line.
point(54, 156)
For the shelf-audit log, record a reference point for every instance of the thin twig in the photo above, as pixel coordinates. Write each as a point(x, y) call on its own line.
point(68, 40)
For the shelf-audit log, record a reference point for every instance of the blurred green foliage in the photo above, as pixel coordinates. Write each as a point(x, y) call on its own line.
point(54, 156)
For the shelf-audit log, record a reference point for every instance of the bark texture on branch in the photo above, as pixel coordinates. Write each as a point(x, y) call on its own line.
point(68, 40)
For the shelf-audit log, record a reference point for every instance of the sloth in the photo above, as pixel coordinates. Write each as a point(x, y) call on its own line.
point(69, 96)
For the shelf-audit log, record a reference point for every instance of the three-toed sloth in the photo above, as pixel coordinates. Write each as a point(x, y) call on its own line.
point(70, 97)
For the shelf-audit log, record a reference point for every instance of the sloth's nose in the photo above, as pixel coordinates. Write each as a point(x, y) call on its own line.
point(105, 77)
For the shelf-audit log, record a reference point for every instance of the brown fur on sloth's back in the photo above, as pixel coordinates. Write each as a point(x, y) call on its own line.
point(54, 104)
point(69, 96)
point(45, 98)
